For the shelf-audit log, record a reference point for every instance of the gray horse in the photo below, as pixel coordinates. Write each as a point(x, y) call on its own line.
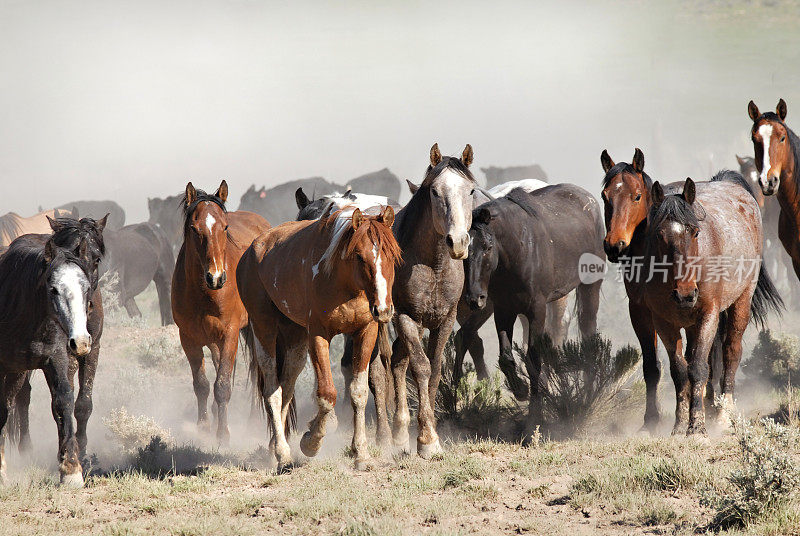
point(433, 232)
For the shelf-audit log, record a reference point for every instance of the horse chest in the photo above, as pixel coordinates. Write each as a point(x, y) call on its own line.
point(428, 295)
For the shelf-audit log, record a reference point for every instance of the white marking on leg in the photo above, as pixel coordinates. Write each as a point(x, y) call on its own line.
point(359, 392)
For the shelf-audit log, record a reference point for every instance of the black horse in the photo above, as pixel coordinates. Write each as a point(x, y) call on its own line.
point(167, 213)
point(51, 318)
point(141, 253)
point(526, 250)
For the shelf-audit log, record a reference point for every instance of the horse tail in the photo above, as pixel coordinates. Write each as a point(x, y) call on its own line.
point(257, 379)
point(13, 424)
point(765, 299)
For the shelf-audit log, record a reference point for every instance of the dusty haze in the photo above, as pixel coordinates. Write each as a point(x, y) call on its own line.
point(124, 100)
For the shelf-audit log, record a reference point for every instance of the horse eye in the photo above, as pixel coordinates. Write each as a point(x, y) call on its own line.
point(783, 138)
point(54, 291)
point(435, 193)
point(226, 227)
point(472, 192)
point(638, 197)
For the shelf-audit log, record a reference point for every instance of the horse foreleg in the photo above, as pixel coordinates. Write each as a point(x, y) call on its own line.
point(21, 407)
point(222, 384)
point(326, 393)
point(194, 353)
point(678, 369)
point(363, 345)
point(63, 406)
point(504, 322)
point(533, 362)
point(467, 339)
point(427, 370)
point(400, 359)
point(642, 321)
point(87, 367)
point(737, 319)
point(379, 385)
point(700, 338)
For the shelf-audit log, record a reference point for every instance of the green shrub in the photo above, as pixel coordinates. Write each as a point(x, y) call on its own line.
point(775, 359)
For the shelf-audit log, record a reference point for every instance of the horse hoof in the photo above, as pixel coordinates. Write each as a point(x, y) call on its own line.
point(309, 445)
point(698, 430)
point(363, 464)
point(427, 451)
point(72, 480)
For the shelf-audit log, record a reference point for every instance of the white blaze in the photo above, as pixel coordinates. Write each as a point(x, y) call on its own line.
point(380, 282)
point(210, 221)
point(453, 182)
point(67, 280)
point(765, 131)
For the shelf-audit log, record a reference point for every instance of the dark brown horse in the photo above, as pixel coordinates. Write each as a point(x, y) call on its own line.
point(303, 283)
point(205, 300)
point(51, 318)
point(703, 252)
point(777, 159)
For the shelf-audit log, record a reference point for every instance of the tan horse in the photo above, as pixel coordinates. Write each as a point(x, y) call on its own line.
point(13, 225)
point(303, 283)
point(205, 304)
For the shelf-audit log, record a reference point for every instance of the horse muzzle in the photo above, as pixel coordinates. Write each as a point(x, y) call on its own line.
point(685, 301)
point(382, 315)
point(216, 281)
point(458, 245)
point(769, 185)
point(80, 344)
point(614, 251)
point(477, 303)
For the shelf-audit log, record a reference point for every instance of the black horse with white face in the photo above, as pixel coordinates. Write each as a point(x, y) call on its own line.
point(525, 251)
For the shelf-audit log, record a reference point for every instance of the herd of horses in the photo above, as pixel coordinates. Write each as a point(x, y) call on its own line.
point(356, 263)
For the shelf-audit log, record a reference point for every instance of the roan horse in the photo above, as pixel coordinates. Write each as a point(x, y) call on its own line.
point(46, 305)
point(703, 251)
point(526, 251)
point(69, 234)
point(433, 232)
point(777, 156)
point(205, 302)
point(303, 283)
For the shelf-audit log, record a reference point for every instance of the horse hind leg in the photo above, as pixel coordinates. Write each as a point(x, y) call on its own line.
point(738, 317)
point(222, 385)
point(132, 308)
point(326, 395)
point(363, 346)
point(400, 361)
point(588, 297)
point(555, 326)
point(163, 282)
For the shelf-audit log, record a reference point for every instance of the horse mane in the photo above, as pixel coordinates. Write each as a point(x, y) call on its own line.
point(344, 238)
point(727, 175)
point(23, 299)
point(624, 167)
point(10, 225)
point(521, 198)
point(676, 209)
point(416, 206)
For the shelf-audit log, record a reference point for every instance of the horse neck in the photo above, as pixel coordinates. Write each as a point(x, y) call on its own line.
point(789, 188)
point(421, 241)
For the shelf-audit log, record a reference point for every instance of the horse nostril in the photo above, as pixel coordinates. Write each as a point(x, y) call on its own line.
point(620, 245)
point(73, 345)
point(449, 241)
point(209, 279)
point(374, 311)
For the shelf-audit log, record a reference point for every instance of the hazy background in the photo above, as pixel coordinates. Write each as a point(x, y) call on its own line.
point(124, 100)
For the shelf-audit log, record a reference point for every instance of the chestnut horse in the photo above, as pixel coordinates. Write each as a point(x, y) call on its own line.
point(13, 225)
point(302, 283)
point(707, 242)
point(205, 303)
point(777, 159)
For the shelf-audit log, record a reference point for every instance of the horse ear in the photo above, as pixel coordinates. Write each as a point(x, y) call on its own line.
point(436, 155)
point(191, 194)
point(101, 223)
point(483, 216)
point(657, 194)
point(252, 188)
point(387, 216)
point(740, 160)
point(752, 111)
point(54, 224)
point(689, 192)
point(301, 198)
point(781, 109)
point(75, 212)
point(358, 219)
point(49, 251)
point(605, 160)
point(412, 187)
point(467, 156)
point(347, 192)
point(638, 160)
point(222, 191)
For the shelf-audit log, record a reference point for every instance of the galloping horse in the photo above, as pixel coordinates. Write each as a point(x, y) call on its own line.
point(707, 242)
point(68, 234)
point(433, 232)
point(303, 283)
point(777, 156)
point(626, 196)
point(525, 252)
point(205, 303)
point(45, 303)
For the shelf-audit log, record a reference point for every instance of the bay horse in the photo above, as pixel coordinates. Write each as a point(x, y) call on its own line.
point(302, 283)
point(45, 304)
point(68, 234)
point(205, 302)
point(141, 253)
point(526, 251)
point(470, 321)
point(433, 233)
point(777, 159)
point(627, 202)
point(708, 243)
